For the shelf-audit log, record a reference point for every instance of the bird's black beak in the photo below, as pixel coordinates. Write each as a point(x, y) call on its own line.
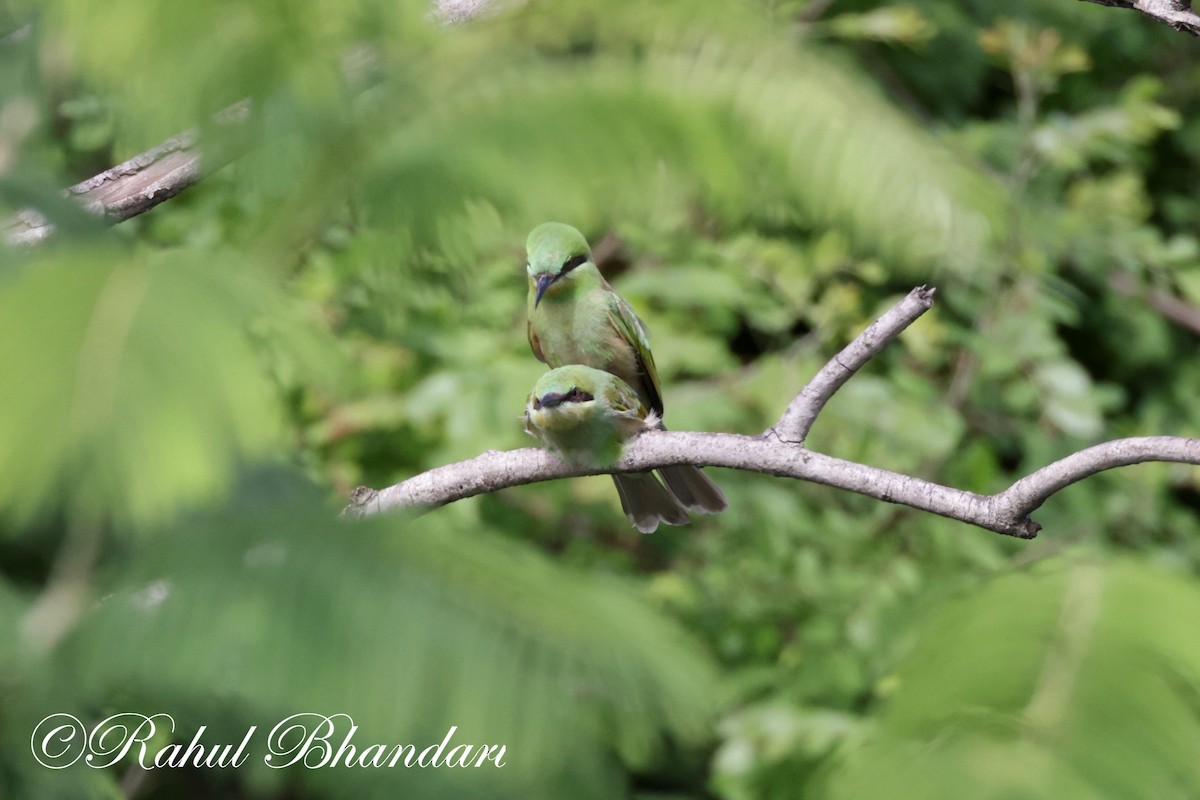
point(543, 281)
point(550, 400)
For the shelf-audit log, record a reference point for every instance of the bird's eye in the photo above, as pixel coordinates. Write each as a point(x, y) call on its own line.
point(574, 261)
point(577, 395)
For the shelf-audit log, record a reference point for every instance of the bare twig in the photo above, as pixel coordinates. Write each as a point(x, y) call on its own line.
point(1173, 308)
point(1006, 512)
point(134, 186)
point(1027, 494)
point(65, 597)
point(800, 415)
point(1176, 13)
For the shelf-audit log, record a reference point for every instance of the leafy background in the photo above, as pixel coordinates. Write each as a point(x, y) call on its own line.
point(188, 397)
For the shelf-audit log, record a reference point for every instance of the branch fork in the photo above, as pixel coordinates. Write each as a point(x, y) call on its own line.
point(780, 451)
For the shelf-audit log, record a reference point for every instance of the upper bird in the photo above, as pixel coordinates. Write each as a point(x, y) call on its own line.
point(576, 318)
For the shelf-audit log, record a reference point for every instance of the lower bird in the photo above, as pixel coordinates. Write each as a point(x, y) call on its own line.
point(586, 415)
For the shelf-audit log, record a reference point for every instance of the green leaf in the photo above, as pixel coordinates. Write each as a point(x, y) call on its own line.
point(1075, 679)
point(407, 625)
point(722, 123)
point(130, 385)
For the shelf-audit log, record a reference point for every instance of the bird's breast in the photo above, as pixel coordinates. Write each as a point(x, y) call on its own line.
point(570, 334)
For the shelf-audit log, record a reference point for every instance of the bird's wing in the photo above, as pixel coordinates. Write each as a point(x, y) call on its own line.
point(627, 407)
point(534, 344)
point(631, 329)
point(624, 399)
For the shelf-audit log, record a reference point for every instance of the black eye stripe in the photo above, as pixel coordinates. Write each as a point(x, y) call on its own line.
point(573, 262)
point(554, 400)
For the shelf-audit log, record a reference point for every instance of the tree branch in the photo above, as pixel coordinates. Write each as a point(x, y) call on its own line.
point(135, 186)
point(1176, 13)
point(771, 453)
point(1027, 494)
point(1173, 308)
point(800, 415)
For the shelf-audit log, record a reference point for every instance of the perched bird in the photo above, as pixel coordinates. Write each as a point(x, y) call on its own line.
point(576, 318)
point(586, 416)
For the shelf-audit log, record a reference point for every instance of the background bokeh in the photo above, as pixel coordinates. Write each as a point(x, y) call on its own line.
point(187, 398)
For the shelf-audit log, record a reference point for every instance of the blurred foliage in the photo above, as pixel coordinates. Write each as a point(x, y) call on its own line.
point(996, 704)
point(189, 396)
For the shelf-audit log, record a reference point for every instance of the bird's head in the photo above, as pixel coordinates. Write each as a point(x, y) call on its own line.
point(564, 397)
point(558, 256)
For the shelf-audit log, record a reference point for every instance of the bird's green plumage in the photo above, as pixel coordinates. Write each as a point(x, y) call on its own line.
point(575, 318)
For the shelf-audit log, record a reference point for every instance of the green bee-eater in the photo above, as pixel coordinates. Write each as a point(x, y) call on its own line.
point(576, 318)
point(586, 415)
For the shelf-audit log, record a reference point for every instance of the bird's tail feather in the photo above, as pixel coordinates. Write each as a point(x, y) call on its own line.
point(693, 489)
point(646, 502)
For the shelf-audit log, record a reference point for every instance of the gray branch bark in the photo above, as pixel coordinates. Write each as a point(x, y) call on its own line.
point(1176, 13)
point(777, 452)
point(1179, 311)
point(137, 185)
point(800, 415)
